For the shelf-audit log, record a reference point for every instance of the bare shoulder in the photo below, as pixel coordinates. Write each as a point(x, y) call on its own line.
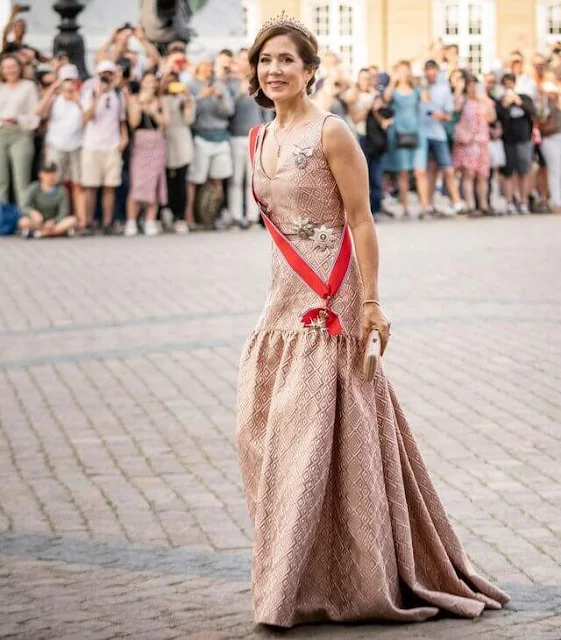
point(337, 138)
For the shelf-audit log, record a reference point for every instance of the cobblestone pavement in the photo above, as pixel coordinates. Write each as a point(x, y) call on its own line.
point(121, 506)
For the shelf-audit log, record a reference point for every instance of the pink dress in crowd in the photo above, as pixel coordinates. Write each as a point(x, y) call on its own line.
point(347, 523)
point(475, 155)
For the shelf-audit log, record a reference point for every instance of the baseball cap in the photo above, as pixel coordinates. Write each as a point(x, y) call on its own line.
point(106, 66)
point(68, 72)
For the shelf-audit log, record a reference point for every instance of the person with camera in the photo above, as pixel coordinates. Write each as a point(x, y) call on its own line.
point(105, 137)
point(517, 112)
point(436, 111)
point(148, 118)
point(471, 143)
point(14, 32)
point(179, 147)
point(60, 108)
point(213, 154)
point(119, 45)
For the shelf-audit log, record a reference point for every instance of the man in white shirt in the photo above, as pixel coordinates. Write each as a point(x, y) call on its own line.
point(105, 137)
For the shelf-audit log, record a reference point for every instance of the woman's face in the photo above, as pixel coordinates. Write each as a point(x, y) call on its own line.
point(149, 84)
point(471, 90)
point(364, 81)
point(455, 77)
point(280, 70)
point(403, 72)
point(10, 70)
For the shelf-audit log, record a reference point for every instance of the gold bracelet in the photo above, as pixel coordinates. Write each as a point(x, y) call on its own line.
point(371, 302)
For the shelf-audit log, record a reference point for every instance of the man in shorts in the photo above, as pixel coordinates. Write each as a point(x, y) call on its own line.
point(437, 110)
point(213, 153)
point(516, 112)
point(105, 136)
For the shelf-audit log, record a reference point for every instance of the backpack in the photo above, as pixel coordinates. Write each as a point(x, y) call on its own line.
point(9, 216)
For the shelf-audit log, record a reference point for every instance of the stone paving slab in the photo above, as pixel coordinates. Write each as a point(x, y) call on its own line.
point(121, 507)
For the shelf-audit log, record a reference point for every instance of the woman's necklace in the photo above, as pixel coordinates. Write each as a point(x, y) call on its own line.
point(288, 130)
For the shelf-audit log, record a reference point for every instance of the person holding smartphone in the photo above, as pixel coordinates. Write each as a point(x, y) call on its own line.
point(437, 110)
point(179, 148)
point(213, 154)
point(516, 113)
point(105, 137)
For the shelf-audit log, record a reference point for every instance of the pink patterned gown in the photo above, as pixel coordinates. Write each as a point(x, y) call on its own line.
point(347, 524)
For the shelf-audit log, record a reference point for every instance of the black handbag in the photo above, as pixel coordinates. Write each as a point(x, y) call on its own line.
point(407, 140)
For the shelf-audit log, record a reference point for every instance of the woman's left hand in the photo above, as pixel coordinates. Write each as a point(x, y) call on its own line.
point(373, 318)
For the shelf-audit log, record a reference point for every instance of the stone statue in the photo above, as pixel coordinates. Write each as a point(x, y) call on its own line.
point(166, 20)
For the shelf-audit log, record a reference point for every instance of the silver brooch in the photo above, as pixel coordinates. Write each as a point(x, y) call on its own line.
point(302, 228)
point(323, 238)
point(320, 323)
point(301, 155)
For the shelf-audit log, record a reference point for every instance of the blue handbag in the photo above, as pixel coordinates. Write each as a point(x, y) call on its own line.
point(9, 216)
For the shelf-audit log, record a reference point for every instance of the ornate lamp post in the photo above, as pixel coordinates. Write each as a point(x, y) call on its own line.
point(69, 39)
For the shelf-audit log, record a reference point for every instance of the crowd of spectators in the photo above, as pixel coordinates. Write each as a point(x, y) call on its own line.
point(154, 142)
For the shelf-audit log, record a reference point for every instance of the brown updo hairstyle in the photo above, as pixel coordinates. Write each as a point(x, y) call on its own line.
point(307, 49)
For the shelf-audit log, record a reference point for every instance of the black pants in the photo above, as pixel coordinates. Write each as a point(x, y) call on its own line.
point(177, 191)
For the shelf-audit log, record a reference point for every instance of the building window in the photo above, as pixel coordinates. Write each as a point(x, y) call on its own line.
point(338, 26)
point(321, 20)
point(554, 19)
point(471, 27)
point(451, 19)
point(548, 23)
point(475, 15)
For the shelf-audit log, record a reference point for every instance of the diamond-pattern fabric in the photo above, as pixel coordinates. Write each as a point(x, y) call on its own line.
point(347, 523)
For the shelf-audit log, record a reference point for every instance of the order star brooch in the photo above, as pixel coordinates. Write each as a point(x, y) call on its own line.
point(323, 238)
point(301, 155)
point(302, 228)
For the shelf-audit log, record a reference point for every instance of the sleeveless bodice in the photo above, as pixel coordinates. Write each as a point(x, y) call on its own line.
point(301, 198)
point(303, 185)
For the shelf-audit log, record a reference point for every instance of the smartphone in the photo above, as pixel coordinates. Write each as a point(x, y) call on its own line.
point(24, 7)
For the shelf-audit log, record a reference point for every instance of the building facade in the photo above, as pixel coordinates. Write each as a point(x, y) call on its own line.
point(382, 32)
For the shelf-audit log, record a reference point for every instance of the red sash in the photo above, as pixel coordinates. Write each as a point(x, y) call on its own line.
point(319, 317)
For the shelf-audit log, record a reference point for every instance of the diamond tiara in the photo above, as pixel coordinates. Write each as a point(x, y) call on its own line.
point(284, 20)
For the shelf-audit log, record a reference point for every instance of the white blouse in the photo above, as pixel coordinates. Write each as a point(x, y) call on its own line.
point(19, 102)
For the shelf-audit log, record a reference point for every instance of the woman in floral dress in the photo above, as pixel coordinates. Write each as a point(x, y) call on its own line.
point(471, 142)
point(347, 524)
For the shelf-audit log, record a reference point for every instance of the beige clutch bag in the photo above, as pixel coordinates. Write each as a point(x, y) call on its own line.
point(372, 355)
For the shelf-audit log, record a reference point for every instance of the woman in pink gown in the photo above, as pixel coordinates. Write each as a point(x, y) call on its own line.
point(347, 524)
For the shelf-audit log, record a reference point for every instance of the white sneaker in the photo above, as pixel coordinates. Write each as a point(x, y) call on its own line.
point(511, 209)
point(151, 228)
point(459, 208)
point(524, 210)
point(131, 228)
